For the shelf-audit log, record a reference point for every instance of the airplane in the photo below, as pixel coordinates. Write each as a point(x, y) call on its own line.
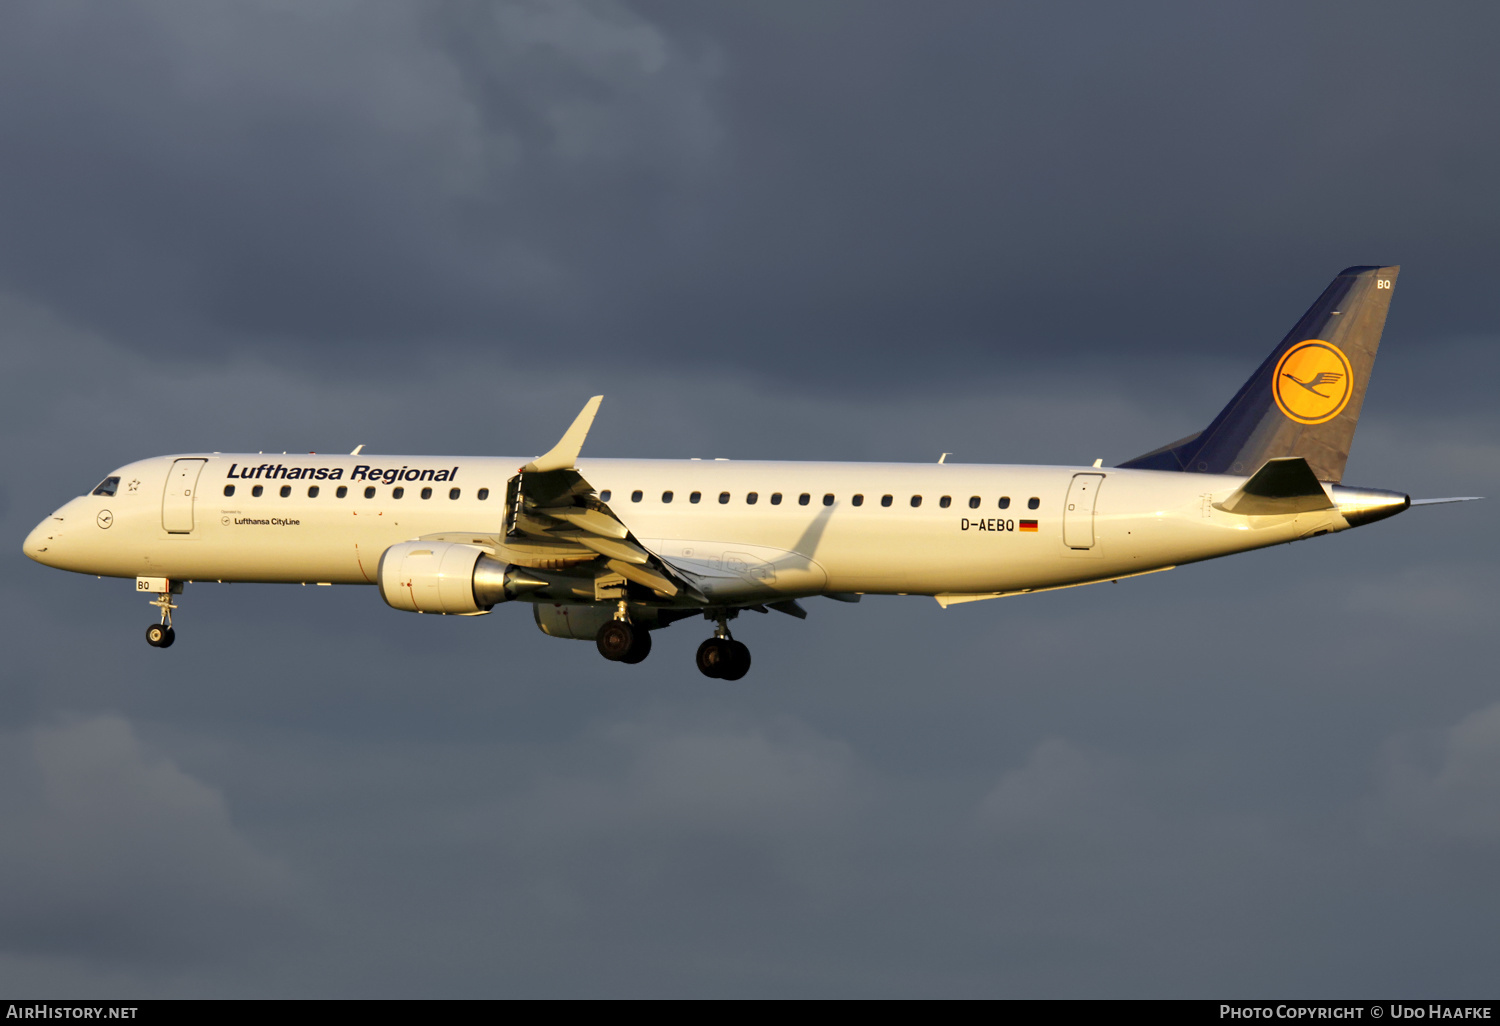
point(611, 550)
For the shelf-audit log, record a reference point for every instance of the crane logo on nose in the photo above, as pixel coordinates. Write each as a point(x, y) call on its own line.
point(104, 519)
point(1313, 382)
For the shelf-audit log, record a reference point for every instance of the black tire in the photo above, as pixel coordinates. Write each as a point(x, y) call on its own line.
point(156, 635)
point(641, 649)
point(166, 642)
point(711, 658)
point(615, 640)
point(738, 662)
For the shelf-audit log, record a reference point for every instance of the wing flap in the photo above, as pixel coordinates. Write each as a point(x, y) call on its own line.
point(549, 503)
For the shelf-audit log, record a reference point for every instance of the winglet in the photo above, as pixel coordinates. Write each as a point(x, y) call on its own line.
point(564, 454)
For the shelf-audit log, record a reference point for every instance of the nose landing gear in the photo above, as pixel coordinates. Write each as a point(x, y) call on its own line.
point(161, 635)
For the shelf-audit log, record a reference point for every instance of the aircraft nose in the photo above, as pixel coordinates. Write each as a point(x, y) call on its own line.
point(41, 540)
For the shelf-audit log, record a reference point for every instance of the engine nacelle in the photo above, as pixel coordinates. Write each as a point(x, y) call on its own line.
point(430, 577)
point(579, 621)
point(449, 577)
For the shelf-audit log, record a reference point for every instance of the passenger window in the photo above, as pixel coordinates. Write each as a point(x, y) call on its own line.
point(259, 490)
point(229, 489)
point(312, 491)
point(776, 498)
point(426, 493)
point(342, 491)
point(635, 496)
point(666, 496)
point(828, 499)
point(916, 500)
point(369, 492)
point(482, 494)
point(858, 500)
point(945, 501)
point(1005, 502)
point(885, 500)
point(751, 498)
point(107, 486)
point(804, 499)
point(723, 498)
point(453, 493)
point(604, 495)
point(1033, 502)
point(397, 493)
point(695, 497)
point(286, 490)
point(973, 502)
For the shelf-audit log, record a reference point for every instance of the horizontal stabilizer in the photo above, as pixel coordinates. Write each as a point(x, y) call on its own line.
point(1283, 485)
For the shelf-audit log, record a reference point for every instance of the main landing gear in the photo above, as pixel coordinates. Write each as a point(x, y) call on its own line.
point(621, 641)
point(722, 657)
point(161, 635)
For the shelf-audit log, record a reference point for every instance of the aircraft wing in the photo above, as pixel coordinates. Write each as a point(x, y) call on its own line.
point(549, 501)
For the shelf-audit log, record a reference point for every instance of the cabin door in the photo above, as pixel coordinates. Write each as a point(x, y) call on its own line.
point(177, 500)
point(1078, 512)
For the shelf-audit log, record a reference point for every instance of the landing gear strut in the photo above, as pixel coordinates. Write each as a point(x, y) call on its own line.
point(161, 635)
point(621, 641)
point(721, 657)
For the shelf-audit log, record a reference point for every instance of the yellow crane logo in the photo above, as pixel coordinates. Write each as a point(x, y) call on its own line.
point(1313, 382)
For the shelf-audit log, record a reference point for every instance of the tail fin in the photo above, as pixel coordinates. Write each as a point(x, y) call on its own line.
point(1305, 399)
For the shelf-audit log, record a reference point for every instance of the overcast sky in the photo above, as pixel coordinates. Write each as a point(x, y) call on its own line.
point(1043, 233)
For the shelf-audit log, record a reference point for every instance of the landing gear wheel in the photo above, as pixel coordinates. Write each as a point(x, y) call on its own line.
point(711, 658)
point(738, 662)
point(723, 659)
point(640, 648)
point(617, 640)
point(160, 636)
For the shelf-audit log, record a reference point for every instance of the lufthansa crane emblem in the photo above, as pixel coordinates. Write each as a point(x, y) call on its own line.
point(1313, 382)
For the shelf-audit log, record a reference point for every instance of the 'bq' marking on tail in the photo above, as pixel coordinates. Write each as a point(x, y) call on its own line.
point(1305, 399)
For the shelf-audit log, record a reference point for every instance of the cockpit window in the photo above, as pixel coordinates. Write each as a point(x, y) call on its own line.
point(107, 486)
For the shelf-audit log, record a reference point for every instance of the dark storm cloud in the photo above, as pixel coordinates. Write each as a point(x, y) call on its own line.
point(117, 856)
point(840, 192)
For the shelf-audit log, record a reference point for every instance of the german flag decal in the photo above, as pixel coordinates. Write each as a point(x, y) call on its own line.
point(1027, 525)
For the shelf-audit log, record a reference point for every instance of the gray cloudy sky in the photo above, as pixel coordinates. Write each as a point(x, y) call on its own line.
point(1042, 233)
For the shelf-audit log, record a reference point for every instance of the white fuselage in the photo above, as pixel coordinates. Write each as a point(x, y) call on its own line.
point(1140, 521)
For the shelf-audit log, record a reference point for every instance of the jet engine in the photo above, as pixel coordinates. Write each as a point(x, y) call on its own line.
point(447, 577)
point(579, 621)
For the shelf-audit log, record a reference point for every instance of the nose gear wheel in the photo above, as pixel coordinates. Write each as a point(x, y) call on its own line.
point(161, 635)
